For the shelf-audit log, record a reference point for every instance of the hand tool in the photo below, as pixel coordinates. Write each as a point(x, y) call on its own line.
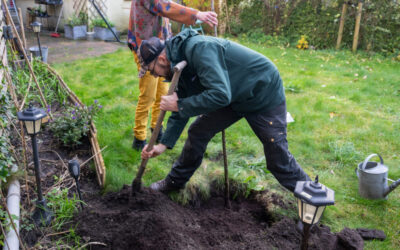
point(137, 182)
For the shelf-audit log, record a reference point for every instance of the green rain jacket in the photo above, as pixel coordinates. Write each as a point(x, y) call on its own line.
point(219, 73)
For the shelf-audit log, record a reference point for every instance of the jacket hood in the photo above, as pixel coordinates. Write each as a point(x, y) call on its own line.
point(176, 46)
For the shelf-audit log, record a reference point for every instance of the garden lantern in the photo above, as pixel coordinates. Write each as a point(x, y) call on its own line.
point(36, 26)
point(312, 198)
point(32, 118)
point(74, 171)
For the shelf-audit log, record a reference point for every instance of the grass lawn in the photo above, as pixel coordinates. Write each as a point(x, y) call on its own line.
point(345, 107)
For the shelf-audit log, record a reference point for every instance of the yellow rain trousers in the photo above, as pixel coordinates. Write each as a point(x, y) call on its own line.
point(151, 89)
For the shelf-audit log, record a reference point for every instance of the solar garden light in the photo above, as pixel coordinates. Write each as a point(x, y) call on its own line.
point(74, 171)
point(36, 26)
point(312, 198)
point(32, 118)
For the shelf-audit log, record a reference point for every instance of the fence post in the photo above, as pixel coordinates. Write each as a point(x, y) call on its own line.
point(341, 26)
point(357, 28)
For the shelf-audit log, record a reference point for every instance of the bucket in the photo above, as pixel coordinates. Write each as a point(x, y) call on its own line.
point(36, 53)
point(90, 36)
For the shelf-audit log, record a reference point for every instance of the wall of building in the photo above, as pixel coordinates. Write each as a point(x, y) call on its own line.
point(117, 11)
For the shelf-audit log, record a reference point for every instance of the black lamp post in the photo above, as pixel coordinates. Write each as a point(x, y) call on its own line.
point(32, 118)
point(312, 198)
point(36, 26)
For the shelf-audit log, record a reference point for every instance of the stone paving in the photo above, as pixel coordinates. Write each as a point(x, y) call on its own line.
point(66, 50)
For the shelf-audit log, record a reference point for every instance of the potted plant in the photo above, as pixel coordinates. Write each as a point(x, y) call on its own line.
point(76, 27)
point(101, 30)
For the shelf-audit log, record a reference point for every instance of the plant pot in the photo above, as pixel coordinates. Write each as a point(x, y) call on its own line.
point(105, 34)
point(50, 2)
point(36, 52)
point(90, 36)
point(75, 32)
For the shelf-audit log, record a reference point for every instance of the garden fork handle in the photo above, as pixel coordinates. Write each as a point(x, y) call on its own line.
point(136, 184)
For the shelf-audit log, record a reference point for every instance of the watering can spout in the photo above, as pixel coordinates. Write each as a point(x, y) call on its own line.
point(392, 187)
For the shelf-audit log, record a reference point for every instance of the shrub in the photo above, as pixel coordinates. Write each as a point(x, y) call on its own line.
point(302, 43)
point(74, 124)
point(81, 19)
point(99, 22)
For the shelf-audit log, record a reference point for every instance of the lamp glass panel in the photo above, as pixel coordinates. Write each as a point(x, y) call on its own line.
point(36, 28)
point(38, 123)
point(299, 205)
point(320, 211)
point(30, 129)
point(308, 213)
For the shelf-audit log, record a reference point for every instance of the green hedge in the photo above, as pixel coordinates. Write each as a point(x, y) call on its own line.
point(319, 21)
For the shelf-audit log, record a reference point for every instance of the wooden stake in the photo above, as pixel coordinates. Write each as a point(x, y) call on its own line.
point(8, 15)
point(357, 28)
point(21, 124)
point(341, 26)
point(22, 27)
point(227, 202)
point(215, 26)
point(227, 16)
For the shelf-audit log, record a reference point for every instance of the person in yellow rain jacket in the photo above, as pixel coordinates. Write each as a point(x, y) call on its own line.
point(149, 18)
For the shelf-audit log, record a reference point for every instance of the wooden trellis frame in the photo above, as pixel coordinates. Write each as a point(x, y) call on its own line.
point(93, 14)
point(80, 6)
point(96, 151)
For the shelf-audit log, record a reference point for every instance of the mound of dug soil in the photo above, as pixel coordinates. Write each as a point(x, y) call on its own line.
point(152, 221)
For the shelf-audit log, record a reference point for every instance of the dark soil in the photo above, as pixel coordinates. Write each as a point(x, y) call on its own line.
point(54, 159)
point(152, 221)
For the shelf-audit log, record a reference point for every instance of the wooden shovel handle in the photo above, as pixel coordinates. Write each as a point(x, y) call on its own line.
point(177, 73)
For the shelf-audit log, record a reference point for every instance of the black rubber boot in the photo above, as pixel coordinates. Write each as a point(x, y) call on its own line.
point(164, 186)
point(138, 144)
point(159, 134)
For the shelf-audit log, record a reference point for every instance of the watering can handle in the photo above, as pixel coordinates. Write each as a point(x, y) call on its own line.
point(368, 158)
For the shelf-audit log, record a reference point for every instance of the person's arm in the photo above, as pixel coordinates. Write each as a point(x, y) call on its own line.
point(179, 13)
point(174, 130)
point(208, 60)
point(175, 126)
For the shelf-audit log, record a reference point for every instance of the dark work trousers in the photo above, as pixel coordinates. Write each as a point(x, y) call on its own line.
point(270, 128)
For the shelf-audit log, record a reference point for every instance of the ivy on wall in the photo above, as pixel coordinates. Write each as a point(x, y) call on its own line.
point(6, 160)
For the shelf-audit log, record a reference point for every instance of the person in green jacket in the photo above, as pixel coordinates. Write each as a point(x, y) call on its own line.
point(222, 83)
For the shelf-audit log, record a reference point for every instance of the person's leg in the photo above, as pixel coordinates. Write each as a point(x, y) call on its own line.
point(147, 88)
point(200, 133)
point(270, 128)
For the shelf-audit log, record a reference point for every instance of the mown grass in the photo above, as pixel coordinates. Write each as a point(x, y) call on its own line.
point(345, 107)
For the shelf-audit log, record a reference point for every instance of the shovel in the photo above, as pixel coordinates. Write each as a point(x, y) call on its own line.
point(137, 182)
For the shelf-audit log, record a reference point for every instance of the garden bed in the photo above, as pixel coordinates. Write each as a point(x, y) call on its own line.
point(66, 115)
point(150, 220)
